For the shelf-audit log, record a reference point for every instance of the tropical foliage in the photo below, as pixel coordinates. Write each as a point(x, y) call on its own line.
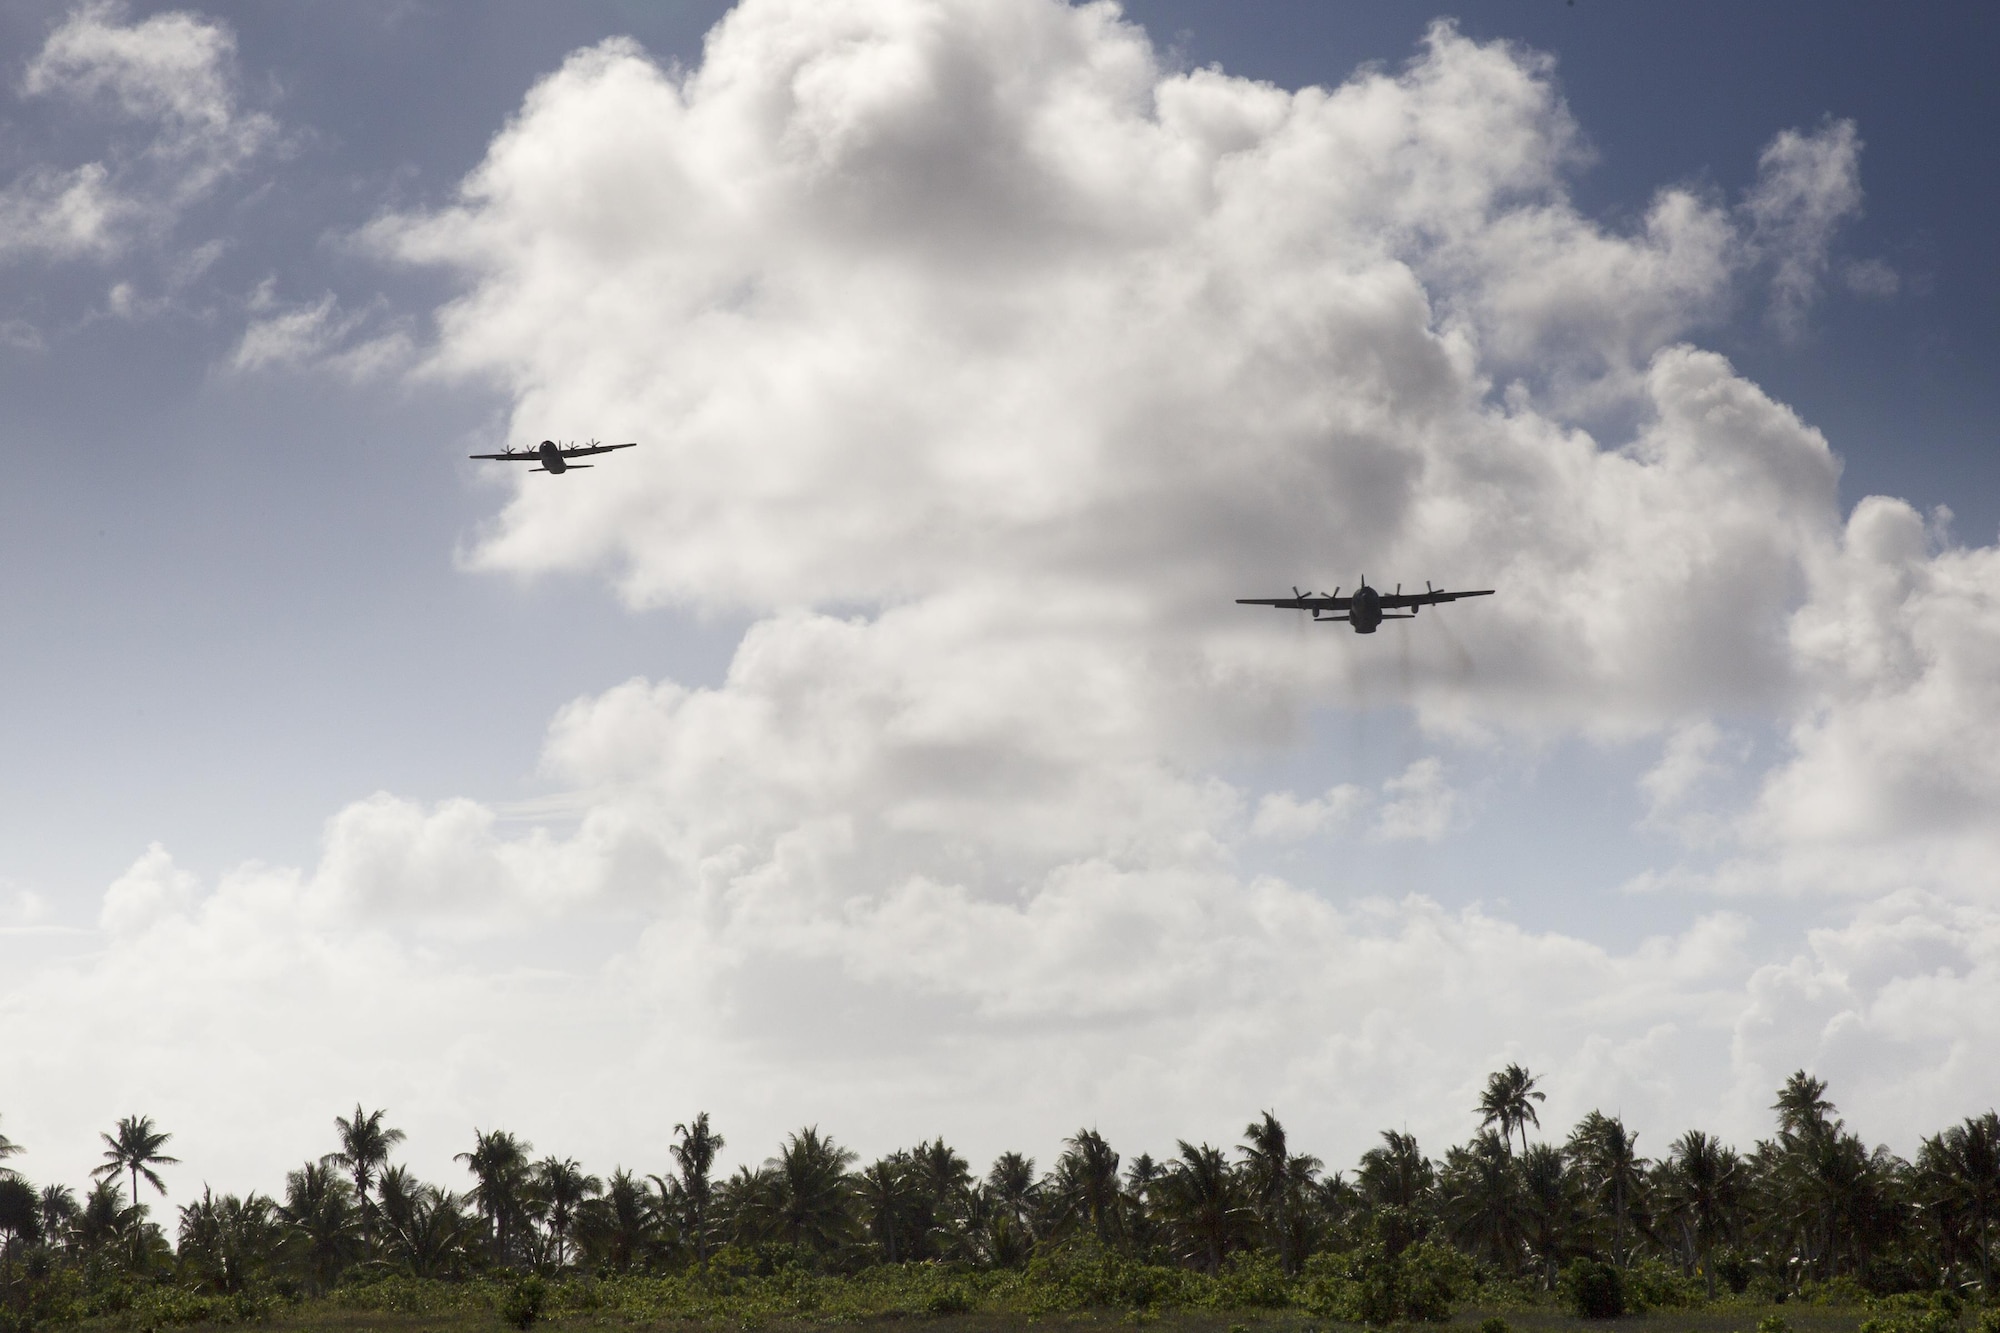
point(1585, 1221)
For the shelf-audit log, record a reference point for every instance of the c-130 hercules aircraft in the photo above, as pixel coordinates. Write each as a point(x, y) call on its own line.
point(1365, 607)
point(554, 457)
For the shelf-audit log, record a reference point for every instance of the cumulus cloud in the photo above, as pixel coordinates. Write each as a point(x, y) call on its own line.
point(170, 78)
point(152, 888)
point(22, 909)
point(985, 361)
point(1421, 804)
point(318, 335)
point(1807, 186)
point(1282, 814)
point(1199, 336)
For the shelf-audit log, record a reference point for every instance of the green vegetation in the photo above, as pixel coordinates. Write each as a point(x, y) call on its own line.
point(1810, 1232)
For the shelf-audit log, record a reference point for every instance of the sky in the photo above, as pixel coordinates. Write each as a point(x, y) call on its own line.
point(879, 745)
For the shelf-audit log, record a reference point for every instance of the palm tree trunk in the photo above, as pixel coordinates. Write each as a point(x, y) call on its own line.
point(1985, 1259)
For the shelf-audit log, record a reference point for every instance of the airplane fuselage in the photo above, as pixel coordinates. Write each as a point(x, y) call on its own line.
point(551, 457)
point(1366, 612)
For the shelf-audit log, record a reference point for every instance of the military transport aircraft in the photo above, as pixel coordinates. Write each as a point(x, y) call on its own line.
point(1365, 608)
point(554, 457)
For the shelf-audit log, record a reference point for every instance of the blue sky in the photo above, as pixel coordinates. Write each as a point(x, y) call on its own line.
point(256, 583)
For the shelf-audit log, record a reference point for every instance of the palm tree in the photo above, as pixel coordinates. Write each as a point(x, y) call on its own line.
point(499, 1166)
point(1802, 1106)
point(136, 1149)
point(1704, 1189)
point(60, 1211)
point(1607, 1155)
point(891, 1202)
point(8, 1148)
point(1509, 1101)
point(1202, 1201)
point(746, 1205)
point(1012, 1182)
point(364, 1149)
point(1395, 1181)
point(426, 1230)
point(1971, 1154)
point(561, 1185)
point(1824, 1184)
point(20, 1215)
point(1483, 1204)
point(620, 1225)
point(1831, 1178)
point(1279, 1181)
point(1004, 1240)
point(105, 1217)
point(814, 1197)
point(323, 1231)
point(1085, 1185)
point(946, 1181)
point(396, 1192)
point(226, 1242)
point(1552, 1198)
point(1395, 1174)
point(694, 1169)
point(1141, 1227)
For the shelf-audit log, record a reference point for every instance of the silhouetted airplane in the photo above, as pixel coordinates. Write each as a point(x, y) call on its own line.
point(553, 456)
point(1366, 608)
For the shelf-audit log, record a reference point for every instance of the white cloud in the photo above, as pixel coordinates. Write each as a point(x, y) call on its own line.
point(1153, 1001)
point(1894, 775)
point(319, 335)
point(154, 887)
point(1281, 814)
point(1689, 792)
point(1807, 186)
point(170, 75)
point(288, 336)
point(1870, 277)
point(1421, 804)
point(1685, 764)
point(65, 214)
point(1186, 354)
point(23, 909)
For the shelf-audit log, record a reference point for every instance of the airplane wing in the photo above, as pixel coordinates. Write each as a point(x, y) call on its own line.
point(518, 456)
point(1393, 600)
point(582, 449)
point(1300, 602)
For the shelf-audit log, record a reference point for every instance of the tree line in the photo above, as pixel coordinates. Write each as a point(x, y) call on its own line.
point(1812, 1204)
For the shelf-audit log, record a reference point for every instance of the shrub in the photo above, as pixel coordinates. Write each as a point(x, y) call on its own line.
point(1370, 1286)
point(1088, 1276)
point(1494, 1324)
point(1734, 1270)
point(1932, 1320)
point(1773, 1323)
point(1433, 1278)
point(1593, 1289)
point(1251, 1281)
point(1652, 1285)
point(523, 1303)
